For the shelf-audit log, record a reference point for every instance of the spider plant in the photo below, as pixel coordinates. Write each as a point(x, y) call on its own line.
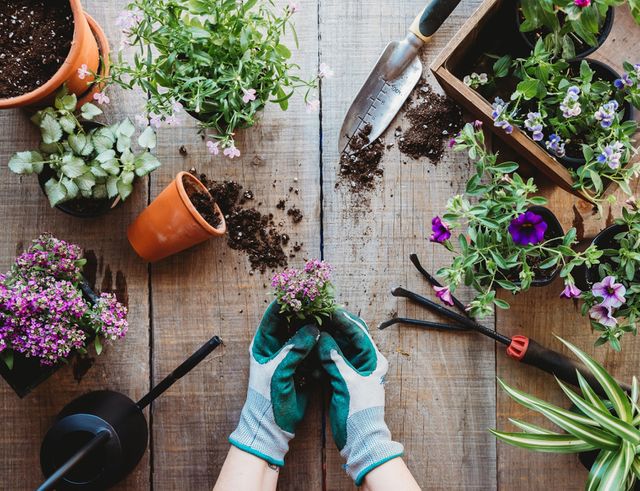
point(608, 426)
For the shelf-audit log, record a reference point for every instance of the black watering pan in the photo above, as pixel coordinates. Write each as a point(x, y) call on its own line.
point(101, 436)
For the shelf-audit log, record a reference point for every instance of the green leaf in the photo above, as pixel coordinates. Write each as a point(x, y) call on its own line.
point(68, 123)
point(506, 167)
point(544, 443)
point(7, 357)
point(283, 51)
point(146, 163)
point(531, 428)
point(80, 144)
point(589, 393)
point(147, 138)
point(97, 344)
point(618, 469)
point(112, 186)
point(529, 88)
point(67, 102)
point(103, 139)
point(597, 470)
point(616, 395)
point(89, 111)
point(501, 304)
point(73, 166)
point(126, 128)
point(86, 181)
point(501, 66)
point(55, 191)
point(26, 163)
point(50, 129)
point(124, 189)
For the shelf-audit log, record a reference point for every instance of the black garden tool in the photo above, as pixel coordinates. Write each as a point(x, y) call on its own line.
point(100, 437)
point(519, 347)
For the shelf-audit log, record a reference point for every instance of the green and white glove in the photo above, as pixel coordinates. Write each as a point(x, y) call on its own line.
point(274, 405)
point(357, 370)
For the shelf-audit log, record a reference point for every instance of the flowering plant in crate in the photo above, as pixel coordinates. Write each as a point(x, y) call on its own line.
point(607, 427)
point(221, 61)
point(506, 239)
point(579, 113)
point(43, 313)
point(613, 301)
point(567, 23)
point(306, 293)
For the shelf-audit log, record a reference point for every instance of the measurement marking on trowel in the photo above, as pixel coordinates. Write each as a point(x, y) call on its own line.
point(369, 117)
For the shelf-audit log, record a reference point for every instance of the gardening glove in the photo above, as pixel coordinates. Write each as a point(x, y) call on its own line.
point(356, 369)
point(274, 405)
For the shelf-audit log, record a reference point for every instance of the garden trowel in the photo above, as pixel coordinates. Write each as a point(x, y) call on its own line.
point(394, 76)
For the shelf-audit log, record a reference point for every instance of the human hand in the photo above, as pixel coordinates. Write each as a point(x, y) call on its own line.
point(356, 369)
point(274, 404)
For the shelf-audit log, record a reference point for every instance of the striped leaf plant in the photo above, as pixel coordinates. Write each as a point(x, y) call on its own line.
point(610, 426)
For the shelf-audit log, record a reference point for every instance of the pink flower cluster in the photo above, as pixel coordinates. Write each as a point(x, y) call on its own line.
point(43, 313)
point(307, 290)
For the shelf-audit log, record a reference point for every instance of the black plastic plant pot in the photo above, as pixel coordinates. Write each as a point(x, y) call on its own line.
point(114, 454)
point(28, 373)
point(602, 72)
point(530, 38)
point(585, 277)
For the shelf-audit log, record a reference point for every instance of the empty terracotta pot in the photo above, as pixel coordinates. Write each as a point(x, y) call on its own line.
point(84, 51)
point(171, 223)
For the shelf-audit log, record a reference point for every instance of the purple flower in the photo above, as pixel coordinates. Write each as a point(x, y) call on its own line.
point(505, 125)
point(623, 81)
point(556, 145)
point(499, 108)
point(477, 124)
point(527, 229)
point(570, 106)
point(582, 3)
point(571, 291)
point(534, 123)
point(248, 95)
point(611, 155)
point(444, 294)
point(603, 315)
point(441, 231)
point(607, 113)
point(612, 293)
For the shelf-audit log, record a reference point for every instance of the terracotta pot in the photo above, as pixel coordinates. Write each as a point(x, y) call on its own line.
point(84, 51)
point(104, 56)
point(171, 223)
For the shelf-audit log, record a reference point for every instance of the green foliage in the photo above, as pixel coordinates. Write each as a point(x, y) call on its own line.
point(203, 54)
point(610, 425)
point(486, 257)
point(88, 159)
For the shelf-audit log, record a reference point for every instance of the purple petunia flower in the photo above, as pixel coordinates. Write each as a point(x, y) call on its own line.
point(607, 113)
point(441, 231)
point(582, 3)
point(612, 293)
point(527, 229)
point(444, 294)
point(603, 314)
point(571, 291)
point(611, 155)
point(534, 123)
point(556, 145)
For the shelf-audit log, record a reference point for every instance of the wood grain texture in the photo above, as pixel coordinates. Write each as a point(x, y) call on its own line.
point(124, 366)
point(210, 289)
point(440, 390)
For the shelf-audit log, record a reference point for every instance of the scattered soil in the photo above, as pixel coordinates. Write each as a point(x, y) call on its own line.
point(434, 120)
point(295, 214)
point(361, 168)
point(281, 204)
point(35, 39)
point(203, 202)
point(249, 230)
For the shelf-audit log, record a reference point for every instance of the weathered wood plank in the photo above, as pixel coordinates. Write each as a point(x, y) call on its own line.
point(440, 391)
point(210, 289)
point(541, 314)
point(125, 365)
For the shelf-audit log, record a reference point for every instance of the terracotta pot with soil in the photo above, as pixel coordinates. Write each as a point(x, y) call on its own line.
point(183, 215)
point(43, 43)
point(582, 49)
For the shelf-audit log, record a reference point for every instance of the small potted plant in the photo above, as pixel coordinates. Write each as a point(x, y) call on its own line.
point(580, 112)
point(184, 214)
point(610, 289)
point(48, 313)
point(220, 61)
point(507, 239)
point(85, 168)
point(568, 28)
point(604, 431)
point(50, 44)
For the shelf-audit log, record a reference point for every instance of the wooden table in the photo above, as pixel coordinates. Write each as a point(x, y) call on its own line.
point(441, 392)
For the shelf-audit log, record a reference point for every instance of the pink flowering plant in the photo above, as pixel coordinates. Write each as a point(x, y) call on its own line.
point(567, 24)
point(85, 159)
point(613, 303)
point(306, 293)
point(503, 240)
point(43, 312)
point(221, 61)
point(575, 113)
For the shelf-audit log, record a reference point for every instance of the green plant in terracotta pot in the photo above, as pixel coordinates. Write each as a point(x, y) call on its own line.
point(221, 61)
point(85, 168)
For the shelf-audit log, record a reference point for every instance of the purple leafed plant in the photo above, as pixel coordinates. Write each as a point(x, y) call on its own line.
point(43, 313)
point(306, 293)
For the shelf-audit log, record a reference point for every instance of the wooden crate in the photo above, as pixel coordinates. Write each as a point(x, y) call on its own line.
point(494, 24)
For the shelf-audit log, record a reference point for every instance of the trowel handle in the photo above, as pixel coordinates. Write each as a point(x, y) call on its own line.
point(434, 14)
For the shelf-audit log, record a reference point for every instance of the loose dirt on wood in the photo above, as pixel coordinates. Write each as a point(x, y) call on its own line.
point(35, 39)
point(360, 169)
